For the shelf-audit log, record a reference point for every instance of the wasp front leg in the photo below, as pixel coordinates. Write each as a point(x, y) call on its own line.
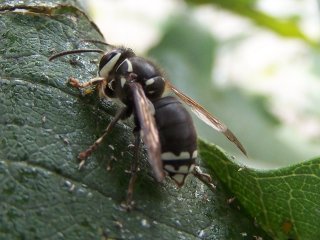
point(92, 82)
point(85, 154)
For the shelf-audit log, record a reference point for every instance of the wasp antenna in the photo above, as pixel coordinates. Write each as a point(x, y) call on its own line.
point(74, 52)
point(97, 41)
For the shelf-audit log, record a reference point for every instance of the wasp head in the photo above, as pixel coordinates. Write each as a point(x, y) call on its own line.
point(110, 61)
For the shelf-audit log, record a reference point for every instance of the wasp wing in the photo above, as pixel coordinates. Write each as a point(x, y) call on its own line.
point(149, 131)
point(205, 116)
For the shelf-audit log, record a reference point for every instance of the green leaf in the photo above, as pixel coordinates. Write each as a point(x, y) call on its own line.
point(44, 124)
point(284, 202)
point(247, 8)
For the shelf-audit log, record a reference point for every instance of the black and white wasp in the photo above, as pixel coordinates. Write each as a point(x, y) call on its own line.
point(162, 122)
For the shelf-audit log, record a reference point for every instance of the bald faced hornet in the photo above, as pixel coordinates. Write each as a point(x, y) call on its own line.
point(162, 122)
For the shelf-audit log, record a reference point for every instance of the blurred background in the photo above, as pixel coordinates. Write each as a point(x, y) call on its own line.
point(254, 64)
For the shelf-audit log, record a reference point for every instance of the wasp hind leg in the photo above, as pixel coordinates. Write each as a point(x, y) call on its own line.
point(128, 204)
point(203, 177)
point(85, 154)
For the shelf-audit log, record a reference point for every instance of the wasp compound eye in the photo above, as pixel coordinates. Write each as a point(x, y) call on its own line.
point(108, 62)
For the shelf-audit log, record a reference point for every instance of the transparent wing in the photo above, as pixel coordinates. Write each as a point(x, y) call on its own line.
point(149, 131)
point(206, 117)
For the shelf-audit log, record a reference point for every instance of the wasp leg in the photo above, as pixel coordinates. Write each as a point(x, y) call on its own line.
point(203, 177)
point(134, 169)
point(92, 82)
point(75, 82)
point(85, 154)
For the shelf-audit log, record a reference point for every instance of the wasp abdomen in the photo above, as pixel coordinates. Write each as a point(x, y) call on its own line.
point(178, 138)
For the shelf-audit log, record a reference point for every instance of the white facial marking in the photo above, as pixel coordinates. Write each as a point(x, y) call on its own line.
point(150, 81)
point(172, 156)
point(104, 72)
point(123, 81)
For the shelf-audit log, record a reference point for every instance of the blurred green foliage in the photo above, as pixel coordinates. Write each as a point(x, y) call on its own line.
point(287, 27)
point(187, 52)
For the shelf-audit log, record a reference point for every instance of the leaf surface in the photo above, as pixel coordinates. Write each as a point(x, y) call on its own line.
point(285, 27)
point(285, 201)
